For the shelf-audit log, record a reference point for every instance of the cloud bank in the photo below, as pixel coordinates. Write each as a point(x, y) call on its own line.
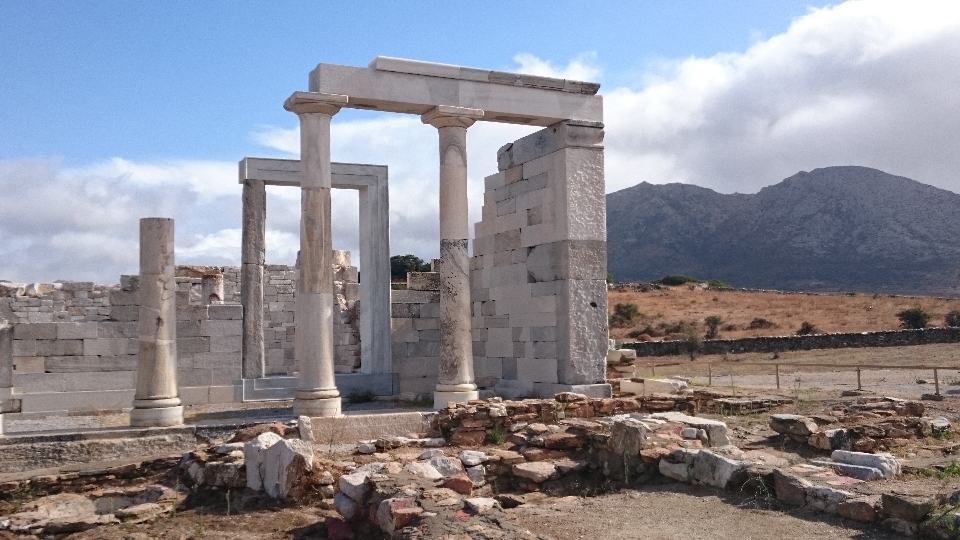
point(869, 83)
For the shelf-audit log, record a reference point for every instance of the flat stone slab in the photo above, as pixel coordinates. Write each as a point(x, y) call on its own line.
point(353, 427)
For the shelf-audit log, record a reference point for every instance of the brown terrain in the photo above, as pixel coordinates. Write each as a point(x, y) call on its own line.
point(663, 309)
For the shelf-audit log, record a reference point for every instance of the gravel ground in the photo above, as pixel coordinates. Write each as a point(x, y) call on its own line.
point(681, 512)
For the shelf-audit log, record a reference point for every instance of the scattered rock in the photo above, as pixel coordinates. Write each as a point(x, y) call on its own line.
point(305, 428)
point(447, 466)
point(860, 508)
point(424, 470)
point(252, 432)
point(253, 452)
point(906, 507)
point(472, 458)
point(460, 483)
point(480, 505)
point(888, 465)
point(286, 464)
point(826, 498)
point(355, 486)
point(538, 471)
point(346, 506)
point(337, 529)
point(790, 488)
point(831, 439)
point(794, 425)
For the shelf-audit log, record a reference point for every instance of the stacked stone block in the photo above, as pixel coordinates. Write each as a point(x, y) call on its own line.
point(539, 266)
point(54, 302)
point(346, 314)
point(278, 330)
point(415, 333)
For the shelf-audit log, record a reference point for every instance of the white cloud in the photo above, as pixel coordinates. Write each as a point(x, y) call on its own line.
point(863, 83)
point(868, 83)
point(581, 68)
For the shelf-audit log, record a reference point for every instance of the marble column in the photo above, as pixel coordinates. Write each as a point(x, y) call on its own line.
point(156, 402)
point(252, 259)
point(317, 393)
point(456, 336)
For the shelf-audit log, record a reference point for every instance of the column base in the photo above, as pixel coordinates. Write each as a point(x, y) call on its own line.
point(440, 399)
point(157, 417)
point(317, 407)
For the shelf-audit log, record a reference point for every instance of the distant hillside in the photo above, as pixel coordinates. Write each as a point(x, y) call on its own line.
point(831, 229)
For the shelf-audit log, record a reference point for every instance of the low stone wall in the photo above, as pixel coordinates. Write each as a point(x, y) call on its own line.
point(889, 338)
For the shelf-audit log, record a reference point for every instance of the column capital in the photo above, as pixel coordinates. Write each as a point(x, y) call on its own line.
point(449, 116)
point(315, 102)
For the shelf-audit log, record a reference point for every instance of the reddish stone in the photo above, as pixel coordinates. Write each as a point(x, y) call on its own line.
point(607, 406)
point(628, 405)
point(655, 454)
point(474, 423)
point(464, 437)
point(405, 516)
point(542, 454)
point(337, 529)
point(460, 483)
point(461, 515)
point(864, 444)
point(563, 441)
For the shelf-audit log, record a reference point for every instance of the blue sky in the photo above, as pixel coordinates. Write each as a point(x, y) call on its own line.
point(146, 80)
point(111, 111)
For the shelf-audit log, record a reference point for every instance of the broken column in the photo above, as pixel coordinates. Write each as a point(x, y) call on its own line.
point(211, 287)
point(156, 402)
point(317, 393)
point(456, 338)
point(251, 277)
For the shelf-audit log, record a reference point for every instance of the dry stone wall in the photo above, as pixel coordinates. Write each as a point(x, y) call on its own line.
point(888, 338)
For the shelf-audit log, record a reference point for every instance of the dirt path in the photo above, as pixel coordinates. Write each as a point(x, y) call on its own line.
point(681, 512)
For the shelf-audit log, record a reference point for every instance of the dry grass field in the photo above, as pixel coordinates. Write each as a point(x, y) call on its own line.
point(661, 309)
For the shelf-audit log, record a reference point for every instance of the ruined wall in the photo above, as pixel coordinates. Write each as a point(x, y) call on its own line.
point(539, 266)
point(415, 333)
point(75, 343)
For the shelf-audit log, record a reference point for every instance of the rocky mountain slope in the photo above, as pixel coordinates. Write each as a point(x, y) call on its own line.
point(831, 229)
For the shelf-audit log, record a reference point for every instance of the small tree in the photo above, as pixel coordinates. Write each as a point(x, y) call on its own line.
point(952, 318)
point(807, 328)
point(914, 318)
point(713, 323)
point(401, 264)
point(691, 341)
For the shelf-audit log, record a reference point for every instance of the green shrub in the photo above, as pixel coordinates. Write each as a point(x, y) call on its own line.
point(610, 278)
point(914, 318)
point(717, 284)
point(677, 280)
point(807, 328)
point(760, 323)
point(624, 314)
point(952, 318)
point(713, 323)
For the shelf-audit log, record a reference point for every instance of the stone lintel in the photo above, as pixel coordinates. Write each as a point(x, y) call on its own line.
point(451, 71)
point(501, 100)
point(286, 172)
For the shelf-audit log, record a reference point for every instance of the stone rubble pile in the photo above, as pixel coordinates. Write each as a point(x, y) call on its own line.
point(67, 513)
point(866, 426)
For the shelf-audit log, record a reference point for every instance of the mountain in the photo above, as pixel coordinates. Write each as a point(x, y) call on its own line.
point(830, 229)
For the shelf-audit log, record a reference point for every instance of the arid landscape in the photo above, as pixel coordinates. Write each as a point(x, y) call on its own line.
point(668, 307)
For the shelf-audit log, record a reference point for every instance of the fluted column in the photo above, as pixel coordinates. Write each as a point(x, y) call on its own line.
point(317, 393)
point(157, 402)
point(456, 337)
